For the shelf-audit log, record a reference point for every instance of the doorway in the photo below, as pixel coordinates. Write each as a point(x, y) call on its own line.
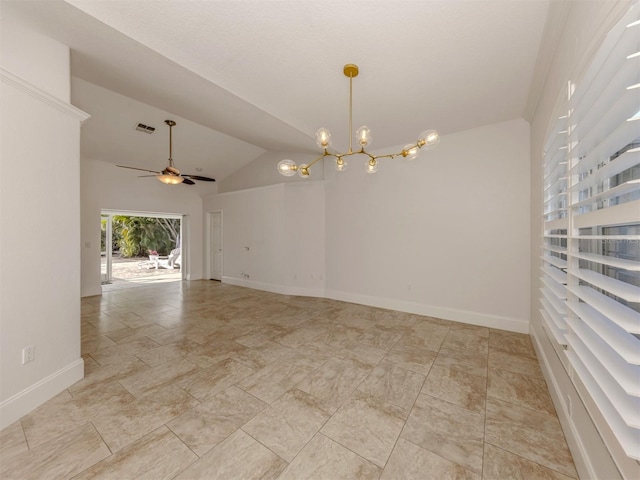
point(141, 248)
point(215, 245)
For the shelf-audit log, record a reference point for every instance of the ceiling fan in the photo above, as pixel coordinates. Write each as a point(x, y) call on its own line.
point(171, 175)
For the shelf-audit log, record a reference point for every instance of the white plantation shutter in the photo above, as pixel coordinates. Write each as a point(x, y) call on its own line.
point(556, 223)
point(590, 301)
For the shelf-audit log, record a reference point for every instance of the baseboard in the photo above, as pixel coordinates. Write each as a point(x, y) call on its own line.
point(15, 407)
point(463, 316)
point(91, 291)
point(305, 292)
point(453, 314)
point(274, 288)
point(580, 456)
point(245, 282)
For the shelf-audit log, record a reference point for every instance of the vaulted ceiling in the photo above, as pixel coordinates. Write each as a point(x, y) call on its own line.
point(242, 77)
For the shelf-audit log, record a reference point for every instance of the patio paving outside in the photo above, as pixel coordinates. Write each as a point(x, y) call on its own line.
point(137, 272)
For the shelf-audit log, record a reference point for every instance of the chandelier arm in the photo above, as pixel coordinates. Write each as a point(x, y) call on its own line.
point(375, 157)
point(325, 154)
point(389, 155)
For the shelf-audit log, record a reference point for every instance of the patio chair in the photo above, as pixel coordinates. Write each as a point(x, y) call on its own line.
point(174, 258)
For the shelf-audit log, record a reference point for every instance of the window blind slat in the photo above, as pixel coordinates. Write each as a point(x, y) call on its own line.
point(596, 81)
point(559, 290)
point(556, 197)
point(613, 106)
point(559, 224)
point(607, 237)
point(623, 290)
point(619, 214)
point(557, 333)
point(621, 341)
point(630, 265)
point(555, 273)
point(555, 261)
point(627, 436)
point(627, 187)
point(626, 405)
point(622, 316)
point(556, 248)
point(625, 374)
point(625, 161)
point(558, 305)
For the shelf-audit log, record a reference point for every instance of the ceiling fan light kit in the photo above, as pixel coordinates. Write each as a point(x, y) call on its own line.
point(171, 175)
point(427, 139)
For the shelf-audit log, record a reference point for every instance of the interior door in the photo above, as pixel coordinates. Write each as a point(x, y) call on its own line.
point(216, 245)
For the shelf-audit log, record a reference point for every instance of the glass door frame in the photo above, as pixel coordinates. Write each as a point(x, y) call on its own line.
point(105, 278)
point(136, 213)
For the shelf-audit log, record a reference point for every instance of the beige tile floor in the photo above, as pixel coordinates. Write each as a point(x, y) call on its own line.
point(199, 379)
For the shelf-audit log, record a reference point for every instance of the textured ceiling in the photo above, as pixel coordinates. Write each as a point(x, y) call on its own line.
point(269, 73)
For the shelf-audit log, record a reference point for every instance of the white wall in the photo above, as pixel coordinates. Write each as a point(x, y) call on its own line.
point(107, 187)
point(268, 236)
point(263, 171)
point(252, 235)
point(48, 65)
point(39, 222)
point(586, 25)
point(269, 241)
point(304, 238)
point(445, 235)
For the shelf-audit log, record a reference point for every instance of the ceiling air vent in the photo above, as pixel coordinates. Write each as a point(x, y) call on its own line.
point(141, 127)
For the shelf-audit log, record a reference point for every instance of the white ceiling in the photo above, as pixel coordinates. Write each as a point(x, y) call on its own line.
point(244, 76)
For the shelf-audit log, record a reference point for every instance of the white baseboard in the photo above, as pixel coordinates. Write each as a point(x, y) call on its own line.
point(305, 292)
point(456, 315)
point(464, 316)
point(91, 291)
point(244, 282)
point(15, 407)
point(580, 456)
point(275, 288)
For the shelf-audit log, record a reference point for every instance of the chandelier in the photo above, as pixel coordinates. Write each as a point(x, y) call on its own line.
point(427, 139)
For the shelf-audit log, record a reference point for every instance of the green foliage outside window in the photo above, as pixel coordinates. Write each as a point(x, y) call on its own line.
point(136, 236)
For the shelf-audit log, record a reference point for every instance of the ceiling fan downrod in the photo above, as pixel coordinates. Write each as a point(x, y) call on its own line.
point(171, 124)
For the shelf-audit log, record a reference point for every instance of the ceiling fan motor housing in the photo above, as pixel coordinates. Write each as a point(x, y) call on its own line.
point(166, 175)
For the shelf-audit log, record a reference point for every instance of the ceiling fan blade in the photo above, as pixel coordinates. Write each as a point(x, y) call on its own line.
point(187, 181)
point(143, 176)
point(198, 177)
point(141, 169)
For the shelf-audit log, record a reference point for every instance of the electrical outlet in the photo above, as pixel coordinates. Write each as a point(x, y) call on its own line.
point(28, 354)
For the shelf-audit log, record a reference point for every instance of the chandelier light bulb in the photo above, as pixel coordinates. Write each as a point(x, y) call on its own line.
point(371, 166)
point(287, 168)
point(341, 164)
point(363, 135)
point(429, 139)
point(323, 138)
point(410, 152)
